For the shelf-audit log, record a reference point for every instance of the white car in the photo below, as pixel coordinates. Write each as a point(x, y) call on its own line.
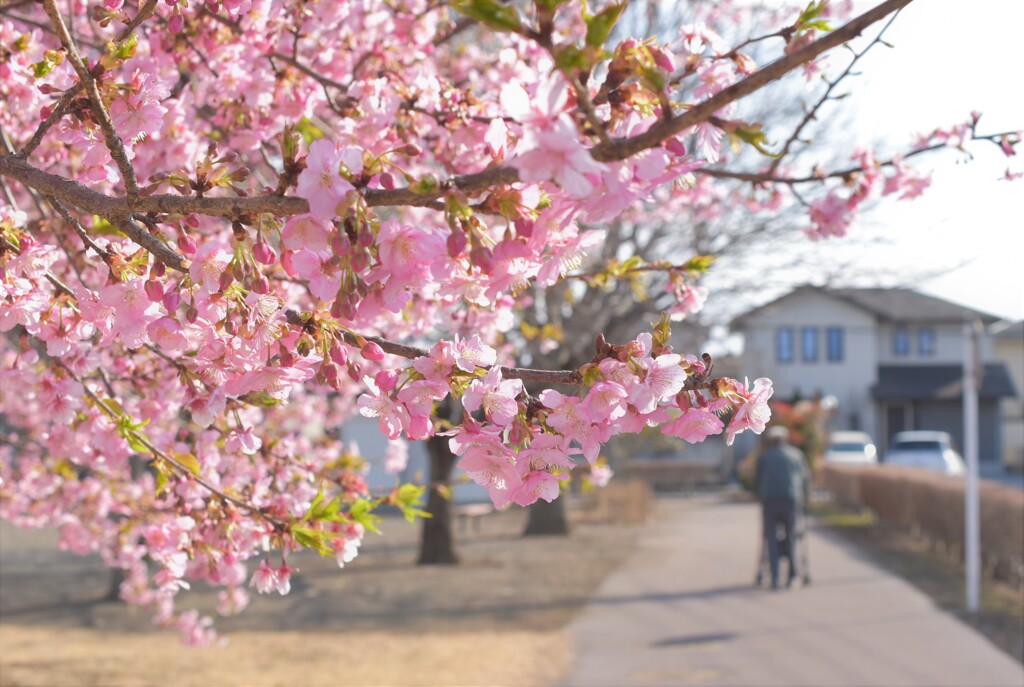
point(853, 448)
point(929, 450)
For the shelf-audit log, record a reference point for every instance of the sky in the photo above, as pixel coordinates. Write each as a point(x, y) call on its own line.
point(950, 57)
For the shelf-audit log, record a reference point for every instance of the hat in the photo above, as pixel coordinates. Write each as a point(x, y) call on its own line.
point(778, 432)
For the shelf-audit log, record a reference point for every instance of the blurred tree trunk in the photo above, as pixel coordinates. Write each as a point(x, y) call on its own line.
point(437, 545)
point(547, 518)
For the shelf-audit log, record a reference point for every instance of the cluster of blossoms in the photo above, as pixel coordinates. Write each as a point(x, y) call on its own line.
point(220, 219)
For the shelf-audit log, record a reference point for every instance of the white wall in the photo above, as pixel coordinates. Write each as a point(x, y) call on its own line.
point(850, 380)
point(949, 345)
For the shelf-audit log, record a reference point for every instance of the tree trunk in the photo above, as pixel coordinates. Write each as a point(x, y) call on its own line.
point(547, 518)
point(437, 546)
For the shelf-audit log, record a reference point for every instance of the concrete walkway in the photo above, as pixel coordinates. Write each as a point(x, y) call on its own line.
point(683, 611)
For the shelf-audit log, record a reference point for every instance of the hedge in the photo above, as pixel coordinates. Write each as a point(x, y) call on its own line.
point(932, 506)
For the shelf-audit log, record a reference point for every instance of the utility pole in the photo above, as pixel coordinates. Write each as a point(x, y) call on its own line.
point(972, 532)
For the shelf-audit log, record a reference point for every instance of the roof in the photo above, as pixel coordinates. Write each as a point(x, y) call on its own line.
point(893, 305)
point(938, 382)
point(1008, 331)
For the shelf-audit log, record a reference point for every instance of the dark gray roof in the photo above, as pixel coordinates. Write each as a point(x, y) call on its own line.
point(1009, 332)
point(937, 382)
point(893, 305)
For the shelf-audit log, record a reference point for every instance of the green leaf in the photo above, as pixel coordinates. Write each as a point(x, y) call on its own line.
point(360, 512)
point(318, 540)
point(188, 461)
point(600, 25)
point(42, 68)
point(308, 130)
point(491, 13)
point(662, 330)
point(699, 263)
point(752, 134)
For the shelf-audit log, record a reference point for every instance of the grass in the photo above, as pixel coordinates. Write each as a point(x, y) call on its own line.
point(936, 573)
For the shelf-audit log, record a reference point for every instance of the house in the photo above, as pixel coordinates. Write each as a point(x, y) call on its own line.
point(1009, 350)
point(891, 358)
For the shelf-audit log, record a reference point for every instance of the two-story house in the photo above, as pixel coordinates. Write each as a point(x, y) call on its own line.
point(891, 358)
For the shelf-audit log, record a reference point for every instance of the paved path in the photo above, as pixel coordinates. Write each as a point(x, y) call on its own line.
point(683, 611)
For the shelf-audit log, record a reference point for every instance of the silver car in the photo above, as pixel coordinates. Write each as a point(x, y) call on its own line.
point(853, 448)
point(929, 450)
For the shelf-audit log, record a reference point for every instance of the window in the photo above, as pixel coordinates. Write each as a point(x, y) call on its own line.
point(900, 343)
point(926, 342)
point(809, 344)
point(784, 344)
point(834, 337)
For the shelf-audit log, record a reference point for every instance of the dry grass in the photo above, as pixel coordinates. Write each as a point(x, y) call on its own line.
point(494, 619)
point(44, 657)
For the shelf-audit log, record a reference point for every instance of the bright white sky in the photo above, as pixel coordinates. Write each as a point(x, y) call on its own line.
point(951, 57)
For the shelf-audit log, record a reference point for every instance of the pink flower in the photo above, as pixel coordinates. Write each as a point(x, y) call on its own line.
point(321, 182)
point(133, 311)
point(305, 231)
point(570, 420)
point(392, 415)
point(438, 365)
point(694, 426)
point(497, 396)
point(752, 411)
point(665, 378)
point(559, 157)
point(264, 579)
point(473, 353)
point(208, 264)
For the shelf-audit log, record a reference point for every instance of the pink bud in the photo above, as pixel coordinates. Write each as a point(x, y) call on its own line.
point(482, 258)
point(154, 289)
point(456, 243)
point(287, 359)
point(261, 286)
point(662, 58)
point(159, 269)
point(192, 220)
point(226, 279)
point(387, 180)
point(171, 300)
point(354, 372)
point(340, 244)
point(386, 380)
point(675, 146)
point(176, 23)
point(286, 263)
point(186, 244)
point(339, 354)
point(372, 351)
point(524, 227)
point(360, 261)
point(264, 253)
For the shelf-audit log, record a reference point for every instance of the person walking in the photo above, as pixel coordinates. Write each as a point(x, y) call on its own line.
point(782, 482)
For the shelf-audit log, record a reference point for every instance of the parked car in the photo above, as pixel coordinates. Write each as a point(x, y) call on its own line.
point(852, 448)
point(930, 450)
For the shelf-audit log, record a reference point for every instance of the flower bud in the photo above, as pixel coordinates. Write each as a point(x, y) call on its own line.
point(456, 243)
point(354, 372)
point(387, 181)
point(171, 301)
point(372, 351)
point(340, 244)
point(386, 380)
point(226, 279)
point(263, 253)
point(339, 353)
point(159, 269)
point(186, 244)
point(305, 345)
point(261, 285)
point(287, 358)
point(360, 261)
point(154, 289)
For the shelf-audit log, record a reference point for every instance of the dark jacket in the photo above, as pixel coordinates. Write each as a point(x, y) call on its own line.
point(782, 475)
